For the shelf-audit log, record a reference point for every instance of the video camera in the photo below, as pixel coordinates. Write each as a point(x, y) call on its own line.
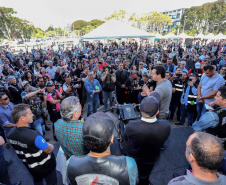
point(74, 82)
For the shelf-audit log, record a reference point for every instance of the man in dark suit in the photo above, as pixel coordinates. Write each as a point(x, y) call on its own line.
point(146, 137)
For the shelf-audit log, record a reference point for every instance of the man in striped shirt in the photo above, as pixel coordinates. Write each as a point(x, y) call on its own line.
point(35, 153)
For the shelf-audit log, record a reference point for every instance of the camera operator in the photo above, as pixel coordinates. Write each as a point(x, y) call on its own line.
point(108, 85)
point(178, 81)
point(146, 137)
point(36, 106)
point(70, 86)
point(53, 102)
point(99, 166)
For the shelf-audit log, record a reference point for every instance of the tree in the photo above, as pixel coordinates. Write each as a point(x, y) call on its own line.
point(96, 22)
point(38, 33)
point(5, 13)
point(173, 30)
point(50, 28)
point(209, 17)
point(78, 25)
point(120, 15)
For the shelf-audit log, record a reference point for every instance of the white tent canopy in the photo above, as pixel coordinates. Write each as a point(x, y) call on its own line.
point(210, 36)
point(184, 36)
point(114, 29)
point(171, 35)
point(159, 36)
point(201, 36)
point(220, 36)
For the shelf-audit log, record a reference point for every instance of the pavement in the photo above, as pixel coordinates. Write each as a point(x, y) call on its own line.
point(172, 158)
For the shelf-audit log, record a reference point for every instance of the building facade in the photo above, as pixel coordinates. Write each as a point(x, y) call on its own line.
point(175, 15)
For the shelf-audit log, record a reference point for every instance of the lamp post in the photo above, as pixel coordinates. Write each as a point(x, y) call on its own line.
point(184, 22)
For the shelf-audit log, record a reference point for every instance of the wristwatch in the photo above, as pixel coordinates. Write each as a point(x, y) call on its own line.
point(200, 97)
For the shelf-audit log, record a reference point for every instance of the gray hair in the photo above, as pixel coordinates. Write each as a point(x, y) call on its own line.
point(184, 62)
point(68, 107)
point(90, 71)
point(10, 78)
point(18, 111)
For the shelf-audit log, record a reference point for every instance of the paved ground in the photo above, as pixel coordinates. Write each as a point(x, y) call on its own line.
point(172, 158)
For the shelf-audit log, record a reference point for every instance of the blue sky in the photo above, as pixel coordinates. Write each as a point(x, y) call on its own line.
point(43, 13)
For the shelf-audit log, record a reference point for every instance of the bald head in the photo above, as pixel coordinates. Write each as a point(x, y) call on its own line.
point(207, 150)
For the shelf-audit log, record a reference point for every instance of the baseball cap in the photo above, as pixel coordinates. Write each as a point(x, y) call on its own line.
point(24, 83)
point(66, 75)
point(205, 51)
point(99, 126)
point(31, 88)
point(150, 104)
point(49, 84)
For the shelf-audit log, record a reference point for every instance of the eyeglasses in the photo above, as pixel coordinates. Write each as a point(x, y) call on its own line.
point(5, 98)
point(142, 64)
point(41, 81)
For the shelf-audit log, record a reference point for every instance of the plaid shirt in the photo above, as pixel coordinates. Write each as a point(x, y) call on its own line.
point(69, 135)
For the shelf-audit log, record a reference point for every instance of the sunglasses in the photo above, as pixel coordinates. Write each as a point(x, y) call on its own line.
point(5, 98)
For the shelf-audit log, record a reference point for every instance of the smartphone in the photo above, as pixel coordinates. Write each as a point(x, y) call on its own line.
point(179, 75)
point(208, 107)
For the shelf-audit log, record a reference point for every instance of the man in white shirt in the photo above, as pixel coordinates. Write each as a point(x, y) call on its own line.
point(51, 70)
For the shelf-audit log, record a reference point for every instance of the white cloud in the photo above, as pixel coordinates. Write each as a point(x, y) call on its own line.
point(44, 13)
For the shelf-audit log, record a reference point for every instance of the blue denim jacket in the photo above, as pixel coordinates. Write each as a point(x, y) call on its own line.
point(91, 88)
point(208, 120)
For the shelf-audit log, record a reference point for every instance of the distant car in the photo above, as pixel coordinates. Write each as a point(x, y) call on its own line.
point(20, 42)
point(37, 40)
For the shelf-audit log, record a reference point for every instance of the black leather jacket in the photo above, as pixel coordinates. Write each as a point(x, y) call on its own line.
point(112, 166)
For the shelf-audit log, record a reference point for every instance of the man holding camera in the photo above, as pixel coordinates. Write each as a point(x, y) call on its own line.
point(70, 86)
point(36, 106)
point(178, 81)
point(53, 102)
point(108, 85)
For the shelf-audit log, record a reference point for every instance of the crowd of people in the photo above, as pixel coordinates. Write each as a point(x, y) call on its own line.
point(164, 79)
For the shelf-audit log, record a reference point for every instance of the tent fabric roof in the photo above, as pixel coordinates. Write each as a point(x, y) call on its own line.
point(200, 36)
point(210, 36)
point(113, 29)
point(171, 35)
point(183, 35)
point(220, 36)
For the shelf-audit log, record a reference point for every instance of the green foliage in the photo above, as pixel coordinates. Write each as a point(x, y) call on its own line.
point(50, 28)
point(96, 22)
point(81, 27)
point(38, 33)
point(156, 21)
point(193, 32)
point(173, 30)
point(120, 15)
point(209, 17)
point(78, 25)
